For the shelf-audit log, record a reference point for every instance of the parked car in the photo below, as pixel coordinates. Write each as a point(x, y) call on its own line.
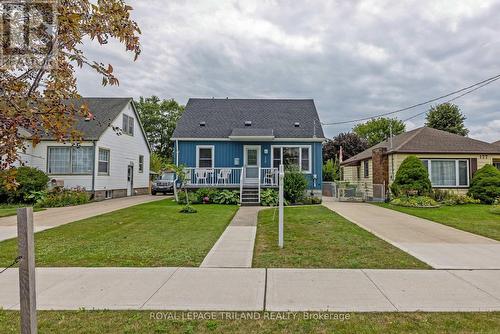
point(164, 184)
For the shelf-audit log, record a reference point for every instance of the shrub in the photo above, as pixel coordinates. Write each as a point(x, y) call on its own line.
point(269, 197)
point(193, 198)
point(457, 199)
point(294, 185)
point(204, 193)
point(188, 209)
point(411, 179)
point(64, 197)
point(226, 197)
point(485, 185)
point(439, 195)
point(29, 180)
point(415, 201)
point(495, 209)
point(330, 171)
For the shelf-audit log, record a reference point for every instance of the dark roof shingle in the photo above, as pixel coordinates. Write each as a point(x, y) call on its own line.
point(428, 140)
point(221, 116)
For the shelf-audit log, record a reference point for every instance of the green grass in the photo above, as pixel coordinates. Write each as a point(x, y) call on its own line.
point(474, 218)
point(361, 323)
point(11, 209)
point(151, 234)
point(315, 237)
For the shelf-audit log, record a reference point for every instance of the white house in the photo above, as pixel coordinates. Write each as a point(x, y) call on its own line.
point(111, 161)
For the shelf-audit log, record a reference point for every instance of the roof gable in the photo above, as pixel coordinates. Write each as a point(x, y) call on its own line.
point(221, 116)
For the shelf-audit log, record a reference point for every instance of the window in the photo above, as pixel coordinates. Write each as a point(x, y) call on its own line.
point(448, 172)
point(299, 156)
point(108, 194)
point(205, 156)
point(366, 170)
point(496, 164)
point(128, 125)
point(141, 163)
point(103, 163)
point(70, 160)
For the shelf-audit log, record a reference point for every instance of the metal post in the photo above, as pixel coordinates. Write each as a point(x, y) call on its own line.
point(27, 293)
point(281, 204)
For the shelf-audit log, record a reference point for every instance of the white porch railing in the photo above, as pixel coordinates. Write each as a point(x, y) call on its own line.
point(228, 176)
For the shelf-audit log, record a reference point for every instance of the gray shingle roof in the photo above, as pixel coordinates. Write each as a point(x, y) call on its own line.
point(429, 140)
point(496, 143)
point(104, 109)
point(221, 116)
point(249, 132)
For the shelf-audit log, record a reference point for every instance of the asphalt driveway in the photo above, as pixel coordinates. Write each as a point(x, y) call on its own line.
point(54, 217)
point(440, 246)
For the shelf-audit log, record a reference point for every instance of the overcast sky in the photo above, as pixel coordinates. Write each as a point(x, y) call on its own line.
point(354, 58)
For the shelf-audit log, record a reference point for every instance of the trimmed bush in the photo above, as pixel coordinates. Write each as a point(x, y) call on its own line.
point(485, 185)
point(415, 201)
point(206, 195)
point(29, 180)
point(411, 179)
point(193, 198)
point(295, 185)
point(188, 209)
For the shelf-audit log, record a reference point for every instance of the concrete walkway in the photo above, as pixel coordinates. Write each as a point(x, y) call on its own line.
point(234, 248)
point(247, 289)
point(438, 245)
point(54, 217)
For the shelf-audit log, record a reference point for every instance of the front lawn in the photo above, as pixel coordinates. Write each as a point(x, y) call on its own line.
point(152, 234)
point(11, 209)
point(316, 237)
point(72, 322)
point(474, 218)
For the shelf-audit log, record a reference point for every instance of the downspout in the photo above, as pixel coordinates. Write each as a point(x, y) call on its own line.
point(177, 164)
point(93, 167)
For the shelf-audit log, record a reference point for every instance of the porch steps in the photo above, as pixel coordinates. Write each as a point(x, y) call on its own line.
point(250, 196)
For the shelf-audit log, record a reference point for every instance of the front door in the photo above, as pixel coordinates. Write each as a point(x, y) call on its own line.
point(130, 180)
point(252, 163)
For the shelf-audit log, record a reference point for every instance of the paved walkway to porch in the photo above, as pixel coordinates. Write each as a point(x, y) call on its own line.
point(257, 289)
point(54, 217)
point(234, 249)
point(438, 245)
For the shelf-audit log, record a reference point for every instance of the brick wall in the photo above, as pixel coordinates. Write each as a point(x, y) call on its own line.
point(380, 166)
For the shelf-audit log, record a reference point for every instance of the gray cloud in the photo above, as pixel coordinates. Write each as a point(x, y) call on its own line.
point(355, 58)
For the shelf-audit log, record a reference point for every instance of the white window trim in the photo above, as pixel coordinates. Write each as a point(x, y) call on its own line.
point(126, 130)
point(309, 170)
point(457, 170)
point(198, 147)
point(141, 170)
point(70, 148)
point(109, 161)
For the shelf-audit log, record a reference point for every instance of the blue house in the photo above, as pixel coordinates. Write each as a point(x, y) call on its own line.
point(240, 143)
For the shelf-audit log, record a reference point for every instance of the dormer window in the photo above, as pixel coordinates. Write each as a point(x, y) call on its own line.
point(248, 123)
point(296, 124)
point(203, 123)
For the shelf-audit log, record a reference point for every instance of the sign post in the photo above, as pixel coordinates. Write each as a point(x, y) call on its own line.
point(281, 204)
point(27, 294)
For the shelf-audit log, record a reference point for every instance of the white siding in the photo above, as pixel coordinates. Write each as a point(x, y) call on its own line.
point(124, 150)
point(37, 157)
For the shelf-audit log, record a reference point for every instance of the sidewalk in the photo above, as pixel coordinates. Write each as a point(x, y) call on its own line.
point(234, 249)
point(241, 289)
point(54, 217)
point(438, 245)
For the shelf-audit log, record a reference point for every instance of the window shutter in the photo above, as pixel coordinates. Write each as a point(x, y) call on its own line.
point(473, 166)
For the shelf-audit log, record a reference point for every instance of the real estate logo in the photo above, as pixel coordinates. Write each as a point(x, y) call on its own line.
point(28, 34)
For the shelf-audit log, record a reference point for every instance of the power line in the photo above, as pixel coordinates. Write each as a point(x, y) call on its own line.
point(455, 98)
point(480, 84)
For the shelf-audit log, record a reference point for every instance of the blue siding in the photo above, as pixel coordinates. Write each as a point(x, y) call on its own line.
point(226, 151)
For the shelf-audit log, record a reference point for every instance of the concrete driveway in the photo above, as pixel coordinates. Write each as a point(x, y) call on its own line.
point(54, 217)
point(438, 245)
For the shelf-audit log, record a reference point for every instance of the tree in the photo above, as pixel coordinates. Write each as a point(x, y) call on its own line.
point(38, 94)
point(351, 144)
point(330, 170)
point(447, 117)
point(159, 119)
point(157, 163)
point(379, 129)
point(412, 178)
